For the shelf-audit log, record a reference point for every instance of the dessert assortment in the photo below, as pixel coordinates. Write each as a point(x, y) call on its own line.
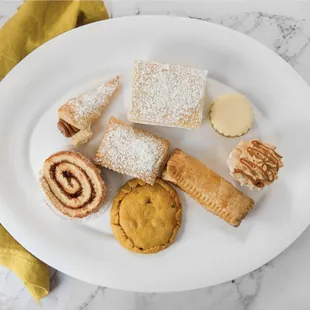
point(147, 213)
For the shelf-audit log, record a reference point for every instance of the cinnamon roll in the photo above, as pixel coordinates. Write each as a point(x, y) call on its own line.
point(72, 184)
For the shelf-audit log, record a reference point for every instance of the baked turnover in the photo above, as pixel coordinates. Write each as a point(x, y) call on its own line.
point(207, 187)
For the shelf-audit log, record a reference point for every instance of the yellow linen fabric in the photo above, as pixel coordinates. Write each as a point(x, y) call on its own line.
point(39, 21)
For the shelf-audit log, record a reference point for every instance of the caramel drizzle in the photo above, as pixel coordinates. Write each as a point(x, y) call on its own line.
point(269, 160)
point(69, 176)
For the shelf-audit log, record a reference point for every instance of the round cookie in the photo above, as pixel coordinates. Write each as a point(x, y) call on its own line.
point(231, 115)
point(146, 218)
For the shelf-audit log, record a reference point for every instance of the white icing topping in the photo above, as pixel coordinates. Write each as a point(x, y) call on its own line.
point(232, 114)
point(169, 95)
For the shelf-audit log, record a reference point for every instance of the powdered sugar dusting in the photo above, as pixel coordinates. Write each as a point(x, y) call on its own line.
point(169, 95)
point(132, 151)
point(94, 100)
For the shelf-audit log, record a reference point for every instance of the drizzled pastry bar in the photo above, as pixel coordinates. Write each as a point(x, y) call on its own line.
point(167, 95)
point(130, 151)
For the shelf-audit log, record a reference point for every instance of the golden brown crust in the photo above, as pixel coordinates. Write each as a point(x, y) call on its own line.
point(144, 226)
point(77, 176)
point(126, 164)
point(207, 187)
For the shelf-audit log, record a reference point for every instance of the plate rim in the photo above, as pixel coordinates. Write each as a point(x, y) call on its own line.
point(17, 232)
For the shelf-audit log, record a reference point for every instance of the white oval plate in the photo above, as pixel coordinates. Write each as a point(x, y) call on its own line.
point(207, 251)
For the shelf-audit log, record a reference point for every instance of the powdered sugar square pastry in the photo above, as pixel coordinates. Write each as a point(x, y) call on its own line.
point(208, 188)
point(131, 151)
point(78, 114)
point(167, 95)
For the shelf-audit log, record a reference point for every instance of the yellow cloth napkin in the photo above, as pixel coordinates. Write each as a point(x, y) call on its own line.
point(35, 23)
point(38, 21)
point(31, 270)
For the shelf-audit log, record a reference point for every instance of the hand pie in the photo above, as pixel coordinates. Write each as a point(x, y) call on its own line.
point(207, 187)
point(131, 151)
point(167, 95)
point(78, 114)
point(72, 184)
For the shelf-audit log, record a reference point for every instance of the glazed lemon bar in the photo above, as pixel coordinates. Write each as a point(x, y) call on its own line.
point(131, 151)
point(167, 95)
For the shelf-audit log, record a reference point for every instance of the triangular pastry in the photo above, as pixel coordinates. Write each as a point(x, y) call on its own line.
point(78, 114)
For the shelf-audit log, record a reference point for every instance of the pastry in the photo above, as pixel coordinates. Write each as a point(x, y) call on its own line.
point(254, 163)
point(167, 95)
point(146, 218)
point(231, 115)
point(72, 184)
point(78, 114)
point(131, 151)
point(207, 187)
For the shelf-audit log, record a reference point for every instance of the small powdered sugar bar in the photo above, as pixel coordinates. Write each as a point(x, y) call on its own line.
point(131, 151)
point(167, 95)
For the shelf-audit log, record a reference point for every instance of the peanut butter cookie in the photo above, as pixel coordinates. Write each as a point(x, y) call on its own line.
point(146, 218)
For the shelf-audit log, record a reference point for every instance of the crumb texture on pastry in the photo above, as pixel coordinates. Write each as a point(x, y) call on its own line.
point(207, 187)
point(254, 163)
point(231, 115)
point(146, 218)
point(167, 95)
point(72, 184)
point(131, 151)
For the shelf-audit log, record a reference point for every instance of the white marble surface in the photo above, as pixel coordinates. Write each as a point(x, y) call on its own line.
point(281, 284)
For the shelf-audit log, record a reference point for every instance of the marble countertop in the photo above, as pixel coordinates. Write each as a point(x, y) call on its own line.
point(284, 282)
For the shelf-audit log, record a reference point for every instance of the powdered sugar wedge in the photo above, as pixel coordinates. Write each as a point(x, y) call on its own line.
point(94, 100)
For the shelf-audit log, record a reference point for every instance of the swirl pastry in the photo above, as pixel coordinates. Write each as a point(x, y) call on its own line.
point(72, 184)
point(254, 164)
point(78, 114)
point(207, 187)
